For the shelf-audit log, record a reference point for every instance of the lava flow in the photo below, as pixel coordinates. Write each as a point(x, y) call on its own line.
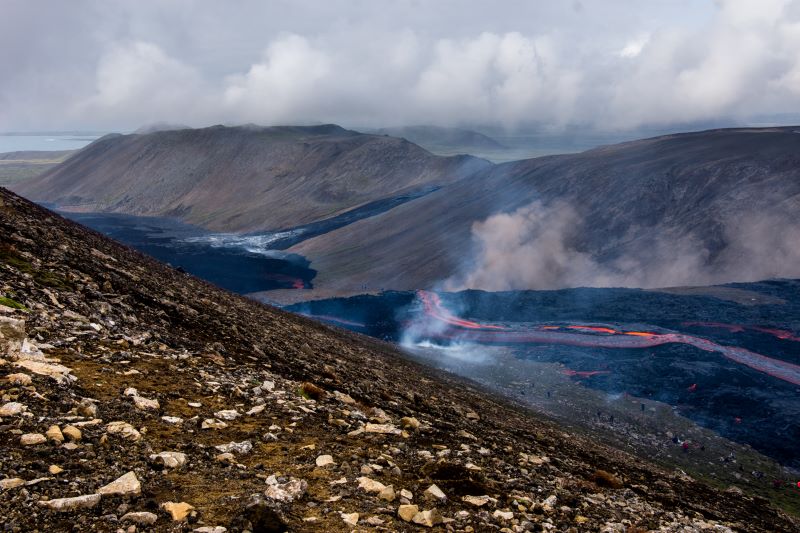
point(433, 307)
point(737, 328)
point(597, 336)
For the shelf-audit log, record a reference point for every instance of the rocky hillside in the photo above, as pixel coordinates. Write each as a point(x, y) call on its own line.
point(135, 397)
point(244, 178)
point(686, 209)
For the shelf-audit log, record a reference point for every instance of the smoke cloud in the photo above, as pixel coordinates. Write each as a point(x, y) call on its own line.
point(606, 65)
point(544, 247)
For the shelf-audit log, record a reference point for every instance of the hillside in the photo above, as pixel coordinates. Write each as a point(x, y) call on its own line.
point(244, 178)
point(686, 209)
point(163, 402)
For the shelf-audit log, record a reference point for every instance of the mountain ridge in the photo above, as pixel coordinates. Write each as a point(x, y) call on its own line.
point(244, 178)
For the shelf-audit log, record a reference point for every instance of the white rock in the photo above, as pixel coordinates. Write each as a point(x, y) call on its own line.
point(124, 430)
point(505, 515)
point(370, 485)
point(19, 379)
point(145, 404)
point(72, 433)
point(86, 501)
point(344, 398)
point(12, 333)
point(32, 439)
point(177, 510)
point(210, 529)
point(434, 493)
point(477, 501)
point(172, 419)
point(386, 429)
point(236, 447)
point(213, 423)
point(287, 492)
point(11, 483)
point(58, 372)
point(350, 519)
point(54, 434)
point(407, 512)
point(387, 494)
point(427, 518)
point(12, 409)
point(169, 459)
point(407, 494)
point(227, 414)
point(324, 460)
point(257, 409)
point(126, 485)
point(143, 518)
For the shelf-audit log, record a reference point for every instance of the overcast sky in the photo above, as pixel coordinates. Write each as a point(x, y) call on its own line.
point(609, 64)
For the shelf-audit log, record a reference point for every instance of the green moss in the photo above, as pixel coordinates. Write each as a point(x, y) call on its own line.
point(8, 302)
point(45, 277)
point(8, 257)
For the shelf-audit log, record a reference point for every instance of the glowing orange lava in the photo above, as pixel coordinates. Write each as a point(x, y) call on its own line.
point(433, 307)
point(597, 329)
point(468, 330)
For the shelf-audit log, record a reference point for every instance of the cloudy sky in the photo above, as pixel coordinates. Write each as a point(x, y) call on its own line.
point(608, 64)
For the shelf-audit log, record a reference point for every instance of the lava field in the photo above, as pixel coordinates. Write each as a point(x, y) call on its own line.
point(730, 367)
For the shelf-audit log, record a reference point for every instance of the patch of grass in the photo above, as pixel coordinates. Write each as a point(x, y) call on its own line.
point(9, 257)
point(50, 279)
point(8, 302)
point(44, 277)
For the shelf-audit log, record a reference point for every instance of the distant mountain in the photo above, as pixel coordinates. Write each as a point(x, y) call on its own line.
point(432, 137)
point(687, 209)
point(245, 178)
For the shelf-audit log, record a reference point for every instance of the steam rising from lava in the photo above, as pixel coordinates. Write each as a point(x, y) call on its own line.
point(550, 246)
point(436, 323)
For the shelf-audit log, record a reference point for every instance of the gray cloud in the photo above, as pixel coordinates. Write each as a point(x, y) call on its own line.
point(620, 64)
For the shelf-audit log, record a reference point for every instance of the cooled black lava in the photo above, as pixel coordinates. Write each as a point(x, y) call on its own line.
point(745, 400)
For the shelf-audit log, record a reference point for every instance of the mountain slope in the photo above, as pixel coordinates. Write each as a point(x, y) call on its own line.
point(244, 178)
point(696, 208)
point(148, 372)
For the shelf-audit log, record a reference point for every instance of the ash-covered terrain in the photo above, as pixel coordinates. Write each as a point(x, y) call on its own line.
point(137, 396)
